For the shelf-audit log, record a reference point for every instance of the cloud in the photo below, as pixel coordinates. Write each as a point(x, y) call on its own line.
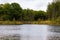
point(31, 4)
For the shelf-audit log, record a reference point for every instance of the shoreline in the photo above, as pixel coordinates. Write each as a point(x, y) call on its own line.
point(28, 22)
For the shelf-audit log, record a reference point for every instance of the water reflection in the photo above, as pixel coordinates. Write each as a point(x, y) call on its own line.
point(53, 37)
point(54, 28)
point(29, 32)
point(26, 32)
point(10, 37)
point(53, 33)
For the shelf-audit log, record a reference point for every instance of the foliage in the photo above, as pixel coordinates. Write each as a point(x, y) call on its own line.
point(40, 15)
point(53, 10)
point(10, 11)
point(58, 20)
point(28, 15)
point(14, 11)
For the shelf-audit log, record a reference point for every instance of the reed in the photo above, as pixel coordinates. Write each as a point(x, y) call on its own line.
point(47, 22)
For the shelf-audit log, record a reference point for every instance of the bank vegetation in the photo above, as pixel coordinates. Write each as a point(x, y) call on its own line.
point(14, 14)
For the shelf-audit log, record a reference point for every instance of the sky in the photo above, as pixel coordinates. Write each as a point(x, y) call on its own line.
point(31, 4)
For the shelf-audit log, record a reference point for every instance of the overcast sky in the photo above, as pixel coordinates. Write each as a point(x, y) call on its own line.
point(31, 4)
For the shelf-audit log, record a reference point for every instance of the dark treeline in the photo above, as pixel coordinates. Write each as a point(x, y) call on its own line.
point(53, 11)
point(14, 11)
point(10, 11)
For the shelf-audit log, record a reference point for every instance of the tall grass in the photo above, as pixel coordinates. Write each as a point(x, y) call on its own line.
point(47, 22)
point(10, 22)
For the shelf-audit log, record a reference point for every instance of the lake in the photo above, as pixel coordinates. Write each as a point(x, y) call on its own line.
point(29, 32)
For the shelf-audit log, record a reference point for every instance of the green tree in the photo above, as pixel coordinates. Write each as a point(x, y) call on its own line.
point(4, 11)
point(40, 15)
point(16, 11)
point(28, 15)
point(1, 9)
point(53, 10)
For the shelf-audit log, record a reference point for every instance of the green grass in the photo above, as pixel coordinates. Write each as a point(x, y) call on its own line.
point(47, 22)
point(10, 22)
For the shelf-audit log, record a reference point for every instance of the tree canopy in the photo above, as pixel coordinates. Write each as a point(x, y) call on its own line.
point(53, 10)
point(14, 11)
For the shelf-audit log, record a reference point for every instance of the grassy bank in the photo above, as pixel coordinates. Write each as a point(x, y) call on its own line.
point(47, 22)
point(10, 23)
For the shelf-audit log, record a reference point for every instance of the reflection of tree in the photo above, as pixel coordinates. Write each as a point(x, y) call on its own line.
point(10, 37)
point(54, 38)
point(55, 29)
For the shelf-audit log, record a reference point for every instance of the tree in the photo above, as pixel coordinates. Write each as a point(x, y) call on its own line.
point(40, 15)
point(4, 11)
point(53, 10)
point(16, 11)
point(1, 9)
point(13, 11)
point(28, 15)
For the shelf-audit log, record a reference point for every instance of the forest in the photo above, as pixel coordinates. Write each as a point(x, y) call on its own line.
point(15, 13)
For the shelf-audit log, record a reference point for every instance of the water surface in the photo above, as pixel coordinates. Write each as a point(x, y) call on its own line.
point(30, 31)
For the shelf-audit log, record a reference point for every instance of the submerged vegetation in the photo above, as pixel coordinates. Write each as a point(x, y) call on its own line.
point(14, 14)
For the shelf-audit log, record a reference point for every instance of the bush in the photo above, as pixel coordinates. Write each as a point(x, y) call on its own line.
point(58, 20)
